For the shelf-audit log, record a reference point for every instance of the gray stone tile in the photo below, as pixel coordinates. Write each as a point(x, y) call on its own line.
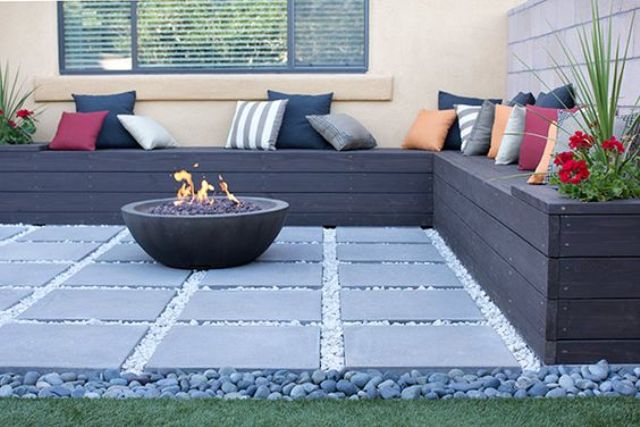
point(390, 347)
point(397, 275)
point(381, 235)
point(292, 252)
point(9, 297)
point(126, 252)
point(9, 231)
point(128, 239)
point(46, 251)
point(243, 347)
point(300, 234)
point(266, 274)
point(101, 304)
point(408, 305)
point(29, 273)
point(151, 275)
point(61, 233)
point(55, 346)
point(392, 252)
point(254, 305)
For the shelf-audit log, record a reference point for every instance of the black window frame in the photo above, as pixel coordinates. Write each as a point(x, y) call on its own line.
point(290, 68)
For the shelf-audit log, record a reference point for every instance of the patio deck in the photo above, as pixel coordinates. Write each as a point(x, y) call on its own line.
point(89, 298)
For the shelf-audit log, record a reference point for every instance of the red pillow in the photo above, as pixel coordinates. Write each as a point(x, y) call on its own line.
point(78, 131)
point(536, 128)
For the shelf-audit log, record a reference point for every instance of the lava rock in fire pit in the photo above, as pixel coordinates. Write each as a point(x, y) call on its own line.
point(220, 206)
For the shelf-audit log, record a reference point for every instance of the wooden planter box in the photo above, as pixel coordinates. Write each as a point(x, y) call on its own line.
point(566, 273)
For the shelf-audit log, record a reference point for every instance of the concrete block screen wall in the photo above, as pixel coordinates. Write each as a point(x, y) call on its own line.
point(536, 26)
point(419, 46)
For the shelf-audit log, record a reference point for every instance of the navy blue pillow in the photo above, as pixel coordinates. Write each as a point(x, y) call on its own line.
point(562, 97)
point(296, 131)
point(523, 99)
point(113, 134)
point(447, 101)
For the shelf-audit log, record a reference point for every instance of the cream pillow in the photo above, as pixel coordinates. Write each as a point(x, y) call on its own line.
point(147, 132)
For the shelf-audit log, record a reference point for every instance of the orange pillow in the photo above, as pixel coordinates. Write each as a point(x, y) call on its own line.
point(499, 125)
point(540, 174)
point(429, 130)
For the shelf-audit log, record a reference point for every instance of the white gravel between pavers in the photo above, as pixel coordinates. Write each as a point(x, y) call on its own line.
point(28, 229)
point(82, 322)
point(141, 355)
point(56, 282)
point(278, 323)
point(514, 342)
point(331, 338)
point(439, 322)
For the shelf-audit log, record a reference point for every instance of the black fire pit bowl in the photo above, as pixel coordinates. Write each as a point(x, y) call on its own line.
point(205, 241)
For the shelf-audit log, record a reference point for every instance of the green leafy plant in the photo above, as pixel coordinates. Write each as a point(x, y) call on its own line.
point(599, 167)
point(17, 123)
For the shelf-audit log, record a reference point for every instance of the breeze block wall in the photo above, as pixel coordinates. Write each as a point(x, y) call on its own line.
point(536, 26)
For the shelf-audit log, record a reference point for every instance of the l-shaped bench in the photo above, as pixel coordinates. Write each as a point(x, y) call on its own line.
point(566, 274)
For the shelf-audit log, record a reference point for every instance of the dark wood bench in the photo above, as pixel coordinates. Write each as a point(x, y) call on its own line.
point(566, 274)
point(374, 187)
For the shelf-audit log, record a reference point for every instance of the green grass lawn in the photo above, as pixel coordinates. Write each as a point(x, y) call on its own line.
point(579, 412)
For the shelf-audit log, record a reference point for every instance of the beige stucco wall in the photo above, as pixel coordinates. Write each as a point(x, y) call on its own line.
point(424, 45)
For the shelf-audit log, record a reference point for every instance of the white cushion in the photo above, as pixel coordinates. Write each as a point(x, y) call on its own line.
point(147, 132)
point(256, 125)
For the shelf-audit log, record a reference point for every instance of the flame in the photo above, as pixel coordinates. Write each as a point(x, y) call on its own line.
point(225, 189)
point(202, 194)
point(187, 190)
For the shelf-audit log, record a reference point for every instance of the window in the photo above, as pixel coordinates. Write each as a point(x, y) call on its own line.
point(209, 36)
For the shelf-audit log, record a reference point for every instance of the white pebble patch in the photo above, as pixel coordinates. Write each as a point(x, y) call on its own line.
point(331, 339)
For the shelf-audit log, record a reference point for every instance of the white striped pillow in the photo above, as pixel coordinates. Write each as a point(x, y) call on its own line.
point(467, 116)
point(256, 125)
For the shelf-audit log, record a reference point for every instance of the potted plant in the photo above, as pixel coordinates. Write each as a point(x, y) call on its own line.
point(599, 166)
point(17, 123)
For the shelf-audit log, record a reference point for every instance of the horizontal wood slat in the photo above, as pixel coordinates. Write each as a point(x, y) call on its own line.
point(300, 202)
point(600, 235)
point(138, 182)
point(599, 319)
point(220, 160)
point(614, 351)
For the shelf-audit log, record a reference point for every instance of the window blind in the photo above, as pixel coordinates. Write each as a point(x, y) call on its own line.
point(212, 36)
point(329, 33)
point(97, 35)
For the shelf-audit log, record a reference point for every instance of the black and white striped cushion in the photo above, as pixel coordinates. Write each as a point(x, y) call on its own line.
point(256, 125)
point(467, 116)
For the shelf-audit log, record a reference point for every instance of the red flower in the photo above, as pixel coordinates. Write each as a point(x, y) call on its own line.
point(562, 158)
point(23, 114)
point(1, 112)
point(12, 123)
point(573, 172)
point(580, 141)
point(612, 144)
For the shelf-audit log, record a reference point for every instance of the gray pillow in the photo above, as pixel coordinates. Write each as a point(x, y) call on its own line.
point(342, 131)
point(480, 138)
point(509, 150)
